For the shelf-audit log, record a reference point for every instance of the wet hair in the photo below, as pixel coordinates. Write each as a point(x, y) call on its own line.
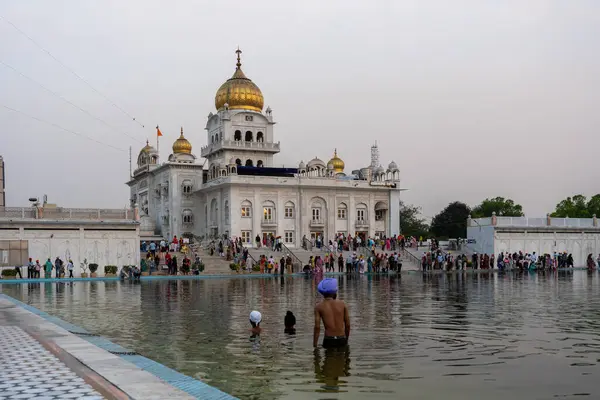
point(254, 324)
point(330, 295)
point(289, 320)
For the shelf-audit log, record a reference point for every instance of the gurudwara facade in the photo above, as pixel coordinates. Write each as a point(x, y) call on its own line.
point(236, 190)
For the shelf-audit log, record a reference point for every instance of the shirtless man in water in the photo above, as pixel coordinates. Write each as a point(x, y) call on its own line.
point(334, 314)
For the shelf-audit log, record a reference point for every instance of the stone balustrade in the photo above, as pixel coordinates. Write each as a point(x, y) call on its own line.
point(237, 144)
point(526, 222)
point(61, 213)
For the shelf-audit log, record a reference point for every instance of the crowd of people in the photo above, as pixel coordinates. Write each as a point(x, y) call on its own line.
point(439, 260)
point(342, 242)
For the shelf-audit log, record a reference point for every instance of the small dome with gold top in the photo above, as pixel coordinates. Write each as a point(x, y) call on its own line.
point(239, 92)
point(182, 145)
point(336, 163)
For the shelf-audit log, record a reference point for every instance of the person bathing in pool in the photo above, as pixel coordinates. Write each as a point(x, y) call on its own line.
point(255, 318)
point(334, 314)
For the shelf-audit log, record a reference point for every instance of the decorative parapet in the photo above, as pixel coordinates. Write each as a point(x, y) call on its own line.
point(61, 213)
point(533, 222)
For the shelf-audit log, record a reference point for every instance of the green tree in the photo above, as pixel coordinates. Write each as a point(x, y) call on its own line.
point(593, 206)
point(574, 207)
point(451, 222)
point(411, 221)
point(499, 205)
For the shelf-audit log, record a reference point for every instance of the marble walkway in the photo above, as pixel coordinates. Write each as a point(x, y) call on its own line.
point(41, 360)
point(29, 371)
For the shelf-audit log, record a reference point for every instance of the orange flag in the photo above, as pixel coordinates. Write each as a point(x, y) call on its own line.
point(158, 132)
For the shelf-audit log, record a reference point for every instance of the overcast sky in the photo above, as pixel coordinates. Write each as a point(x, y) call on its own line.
point(472, 99)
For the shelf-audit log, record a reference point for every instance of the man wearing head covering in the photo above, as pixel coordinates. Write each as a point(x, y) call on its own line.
point(255, 318)
point(334, 314)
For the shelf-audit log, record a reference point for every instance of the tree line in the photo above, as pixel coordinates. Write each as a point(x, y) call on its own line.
point(451, 222)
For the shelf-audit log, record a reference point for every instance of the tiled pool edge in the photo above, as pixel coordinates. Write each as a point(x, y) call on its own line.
point(191, 386)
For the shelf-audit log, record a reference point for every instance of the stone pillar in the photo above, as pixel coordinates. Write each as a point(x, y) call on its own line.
point(595, 220)
point(494, 218)
point(469, 220)
point(136, 212)
point(548, 220)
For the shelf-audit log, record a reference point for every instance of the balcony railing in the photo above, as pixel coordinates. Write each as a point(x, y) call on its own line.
point(60, 213)
point(526, 222)
point(239, 144)
point(268, 222)
point(361, 222)
point(317, 222)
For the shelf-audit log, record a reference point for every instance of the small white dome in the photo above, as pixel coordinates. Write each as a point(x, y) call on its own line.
point(301, 165)
point(316, 162)
point(232, 161)
point(380, 170)
point(393, 166)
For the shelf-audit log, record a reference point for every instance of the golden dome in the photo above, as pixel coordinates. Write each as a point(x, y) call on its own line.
point(336, 163)
point(182, 145)
point(239, 92)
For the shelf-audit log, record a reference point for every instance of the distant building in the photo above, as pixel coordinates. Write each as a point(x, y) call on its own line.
point(2, 180)
point(100, 236)
point(238, 191)
point(576, 236)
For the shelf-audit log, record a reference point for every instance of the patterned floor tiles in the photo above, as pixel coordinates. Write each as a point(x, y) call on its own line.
point(29, 371)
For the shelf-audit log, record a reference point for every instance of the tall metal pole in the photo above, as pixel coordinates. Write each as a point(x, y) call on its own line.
point(130, 172)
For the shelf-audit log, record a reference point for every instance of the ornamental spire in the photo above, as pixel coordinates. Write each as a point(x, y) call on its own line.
point(239, 63)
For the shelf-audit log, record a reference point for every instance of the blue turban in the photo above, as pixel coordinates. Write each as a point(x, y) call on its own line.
point(328, 286)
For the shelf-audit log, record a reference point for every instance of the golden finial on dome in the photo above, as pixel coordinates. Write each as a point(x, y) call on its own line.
point(182, 145)
point(336, 163)
point(239, 92)
point(239, 63)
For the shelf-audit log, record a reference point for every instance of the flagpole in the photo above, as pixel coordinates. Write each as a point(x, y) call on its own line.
point(157, 149)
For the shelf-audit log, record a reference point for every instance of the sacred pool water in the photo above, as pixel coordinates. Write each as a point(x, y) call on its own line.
point(477, 336)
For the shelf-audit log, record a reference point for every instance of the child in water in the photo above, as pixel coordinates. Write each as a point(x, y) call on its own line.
point(255, 318)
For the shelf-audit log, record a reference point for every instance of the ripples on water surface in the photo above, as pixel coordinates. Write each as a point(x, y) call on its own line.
point(439, 336)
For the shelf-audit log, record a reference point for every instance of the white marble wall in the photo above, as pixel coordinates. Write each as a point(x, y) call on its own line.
point(104, 247)
point(580, 244)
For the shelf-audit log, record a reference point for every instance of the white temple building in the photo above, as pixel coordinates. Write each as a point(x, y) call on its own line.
point(236, 190)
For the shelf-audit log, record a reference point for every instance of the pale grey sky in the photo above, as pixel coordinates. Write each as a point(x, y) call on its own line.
point(472, 99)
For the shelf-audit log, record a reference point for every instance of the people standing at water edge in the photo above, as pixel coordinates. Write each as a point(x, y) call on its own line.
point(48, 269)
point(70, 267)
point(38, 268)
point(30, 269)
point(334, 314)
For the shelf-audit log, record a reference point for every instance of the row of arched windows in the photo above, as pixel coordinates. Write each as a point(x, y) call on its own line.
point(248, 137)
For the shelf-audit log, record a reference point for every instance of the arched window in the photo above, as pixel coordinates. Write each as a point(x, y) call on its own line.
point(249, 163)
point(259, 164)
point(269, 211)
point(342, 211)
point(260, 137)
point(361, 213)
point(289, 210)
point(246, 209)
point(238, 161)
point(237, 136)
point(188, 217)
point(187, 186)
point(248, 137)
point(212, 139)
